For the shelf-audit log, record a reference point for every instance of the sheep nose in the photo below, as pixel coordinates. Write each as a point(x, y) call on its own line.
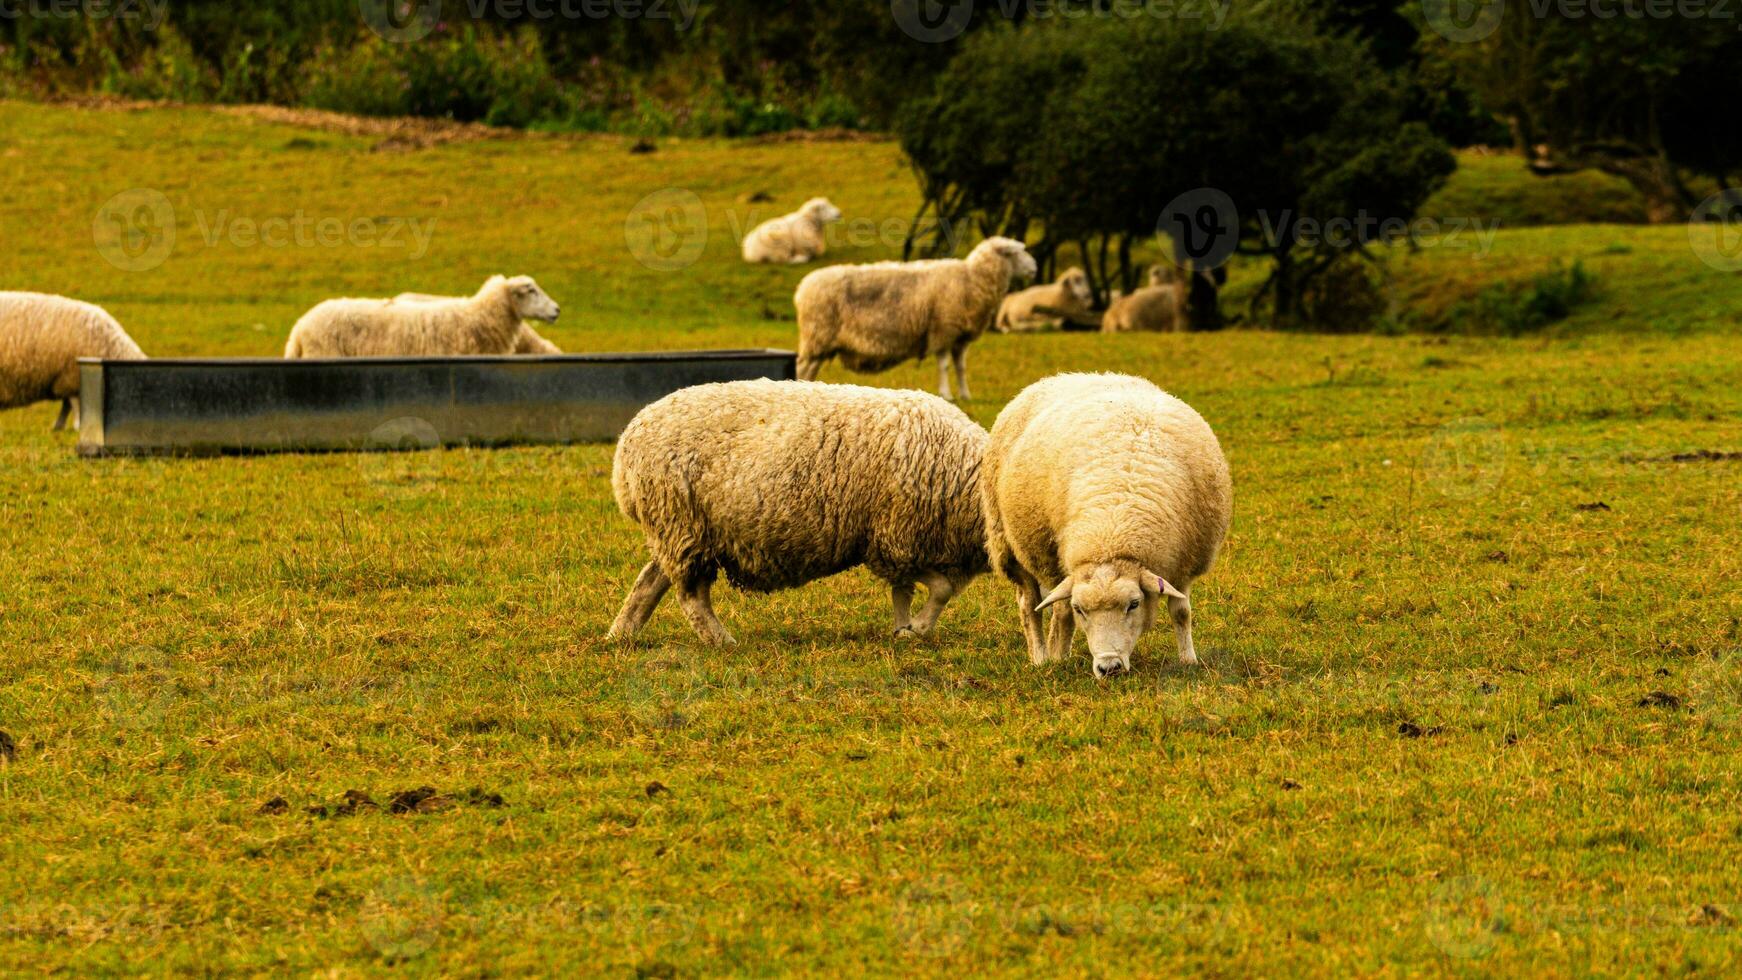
point(1109, 667)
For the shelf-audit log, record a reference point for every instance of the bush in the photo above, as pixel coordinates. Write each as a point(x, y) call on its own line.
point(1525, 307)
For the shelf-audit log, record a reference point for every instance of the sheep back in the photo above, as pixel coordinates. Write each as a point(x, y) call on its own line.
point(873, 317)
point(779, 483)
point(1150, 308)
point(480, 325)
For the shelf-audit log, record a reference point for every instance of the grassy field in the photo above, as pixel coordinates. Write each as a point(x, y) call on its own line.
point(1471, 699)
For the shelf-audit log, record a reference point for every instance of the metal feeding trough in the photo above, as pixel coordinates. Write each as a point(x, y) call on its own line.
point(261, 405)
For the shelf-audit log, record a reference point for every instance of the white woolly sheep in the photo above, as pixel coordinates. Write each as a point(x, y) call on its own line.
point(1117, 492)
point(488, 323)
point(1155, 307)
point(873, 317)
point(779, 483)
point(1070, 294)
point(527, 341)
point(42, 338)
point(792, 239)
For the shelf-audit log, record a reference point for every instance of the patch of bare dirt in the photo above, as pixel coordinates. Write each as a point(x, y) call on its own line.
point(829, 135)
point(392, 133)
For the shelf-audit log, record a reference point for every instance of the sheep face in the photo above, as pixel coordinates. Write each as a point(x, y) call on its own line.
point(1160, 275)
point(821, 211)
point(1076, 282)
point(531, 302)
point(1017, 261)
point(1114, 604)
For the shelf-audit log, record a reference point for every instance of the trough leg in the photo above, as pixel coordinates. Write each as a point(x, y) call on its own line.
point(650, 587)
point(944, 377)
point(901, 598)
point(1181, 611)
point(960, 358)
point(696, 599)
point(939, 590)
point(1064, 630)
point(66, 410)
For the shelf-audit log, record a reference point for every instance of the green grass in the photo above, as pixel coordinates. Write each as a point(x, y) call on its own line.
point(1416, 745)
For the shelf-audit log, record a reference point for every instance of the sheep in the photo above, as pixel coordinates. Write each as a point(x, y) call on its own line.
point(1069, 295)
point(873, 317)
point(1117, 492)
point(1154, 307)
point(792, 239)
point(488, 323)
point(780, 483)
point(42, 338)
point(526, 341)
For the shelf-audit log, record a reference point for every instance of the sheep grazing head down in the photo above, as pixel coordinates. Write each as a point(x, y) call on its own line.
point(819, 210)
point(1114, 603)
point(1017, 261)
point(531, 302)
point(1076, 282)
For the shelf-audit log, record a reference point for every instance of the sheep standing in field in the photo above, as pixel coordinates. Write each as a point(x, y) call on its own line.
point(527, 341)
point(792, 239)
point(1154, 307)
point(1114, 495)
point(488, 323)
point(41, 340)
point(1070, 295)
point(873, 317)
point(779, 483)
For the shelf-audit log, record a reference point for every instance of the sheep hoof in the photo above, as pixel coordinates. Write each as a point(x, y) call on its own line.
point(906, 634)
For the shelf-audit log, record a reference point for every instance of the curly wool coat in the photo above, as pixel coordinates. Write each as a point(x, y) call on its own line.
point(485, 324)
point(42, 338)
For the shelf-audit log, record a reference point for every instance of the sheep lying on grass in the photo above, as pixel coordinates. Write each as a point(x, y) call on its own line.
point(873, 317)
point(527, 341)
point(1029, 309)
point(792, 239)
point(488, 323)
point(1154, 307)
point(779, 483)
point(1115, 495)
point(42, 338)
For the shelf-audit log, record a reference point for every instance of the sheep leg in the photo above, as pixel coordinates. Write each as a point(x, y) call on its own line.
point(1181, 611)
point(939, 590)
point(901, 598)
point(650, 587)
point(1064, 630)
point(66, 409)
point(697, 601)
point(809, 367)
point(1028, 595)
point(944, 377)
point(959, 357)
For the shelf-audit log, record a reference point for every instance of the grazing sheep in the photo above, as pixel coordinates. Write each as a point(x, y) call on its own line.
point(792, 239)
point(41, 340)
point(1154, 307)
point(779, 483)
point(873, 317)
point(527, 341)
point(488, 323)
point(1117, 492)
point(1070, 294)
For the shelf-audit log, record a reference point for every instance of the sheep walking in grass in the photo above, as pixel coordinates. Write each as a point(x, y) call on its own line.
point(1036, 307)
point(487, 323)
point(792, 239)
point(527, 341)
point(779, 483)
point(1113, 495)
point(41, 340)
point(873, 317)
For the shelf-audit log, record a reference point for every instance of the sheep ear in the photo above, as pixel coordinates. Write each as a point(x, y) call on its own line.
point(1059, 594)
point(1155, 585)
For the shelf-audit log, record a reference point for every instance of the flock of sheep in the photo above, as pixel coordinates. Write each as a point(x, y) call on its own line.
point(1100, 496)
